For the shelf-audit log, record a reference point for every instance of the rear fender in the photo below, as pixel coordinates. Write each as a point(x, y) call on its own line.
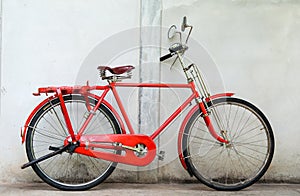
point(185, 121)
point(24, 128)
point(39, 106)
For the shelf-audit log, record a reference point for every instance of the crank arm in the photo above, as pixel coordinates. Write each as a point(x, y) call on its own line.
point(47, 156)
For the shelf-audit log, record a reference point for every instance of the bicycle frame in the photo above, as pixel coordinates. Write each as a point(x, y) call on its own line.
point(130, 134)
point(154, 85)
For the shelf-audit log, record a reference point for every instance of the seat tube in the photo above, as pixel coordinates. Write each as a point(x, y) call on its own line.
point(92, 111)
point(65, 114)
point(122, 109)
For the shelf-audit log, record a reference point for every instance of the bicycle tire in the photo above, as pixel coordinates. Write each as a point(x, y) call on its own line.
point(237, 165)
point(71, 172)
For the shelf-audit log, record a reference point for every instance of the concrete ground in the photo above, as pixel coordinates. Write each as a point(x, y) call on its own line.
point(126, 189)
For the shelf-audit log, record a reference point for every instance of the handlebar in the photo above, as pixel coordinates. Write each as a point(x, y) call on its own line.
point(174, 49)
point(165, 57)
point(177, 48)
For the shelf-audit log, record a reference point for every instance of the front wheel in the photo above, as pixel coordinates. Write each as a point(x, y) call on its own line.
point(47, 129)
point(232, 166)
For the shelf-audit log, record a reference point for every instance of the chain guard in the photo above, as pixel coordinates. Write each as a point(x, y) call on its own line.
point(124, 148)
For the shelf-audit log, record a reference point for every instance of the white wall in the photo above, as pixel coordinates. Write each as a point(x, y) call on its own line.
point(254, 45)
point(45, 43)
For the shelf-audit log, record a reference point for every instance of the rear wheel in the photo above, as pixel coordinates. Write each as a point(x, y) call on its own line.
point(240, 163)
point(68, 171)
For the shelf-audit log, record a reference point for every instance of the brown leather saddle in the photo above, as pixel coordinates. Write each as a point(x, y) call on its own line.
point(117, 70)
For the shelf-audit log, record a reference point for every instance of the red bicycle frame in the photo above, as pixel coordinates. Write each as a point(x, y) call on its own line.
point(153, 85)
point(130, 139)
point(194, 95)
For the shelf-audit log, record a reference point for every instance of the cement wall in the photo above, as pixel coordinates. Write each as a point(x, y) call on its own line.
point(253, 44)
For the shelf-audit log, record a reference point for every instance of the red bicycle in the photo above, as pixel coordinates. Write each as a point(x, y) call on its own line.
point(75, 138)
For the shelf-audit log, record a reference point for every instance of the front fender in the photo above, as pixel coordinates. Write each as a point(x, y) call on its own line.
point(185, 121)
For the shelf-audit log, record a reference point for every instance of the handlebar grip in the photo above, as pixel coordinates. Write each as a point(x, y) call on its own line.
point(166, 57)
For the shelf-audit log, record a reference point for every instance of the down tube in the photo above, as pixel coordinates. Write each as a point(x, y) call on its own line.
point(173, 116)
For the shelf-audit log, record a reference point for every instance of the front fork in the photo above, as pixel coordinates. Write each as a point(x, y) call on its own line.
point(206, 117)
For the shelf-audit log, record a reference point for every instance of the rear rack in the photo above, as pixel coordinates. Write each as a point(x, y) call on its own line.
point(67, 89)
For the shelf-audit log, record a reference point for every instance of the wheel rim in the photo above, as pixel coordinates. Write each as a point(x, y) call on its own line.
point(69, 170)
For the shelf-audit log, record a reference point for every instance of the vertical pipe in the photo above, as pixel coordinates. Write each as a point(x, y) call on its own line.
point(150, 42)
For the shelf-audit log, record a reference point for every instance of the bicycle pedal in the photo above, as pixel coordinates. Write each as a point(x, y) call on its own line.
point(161, 155)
